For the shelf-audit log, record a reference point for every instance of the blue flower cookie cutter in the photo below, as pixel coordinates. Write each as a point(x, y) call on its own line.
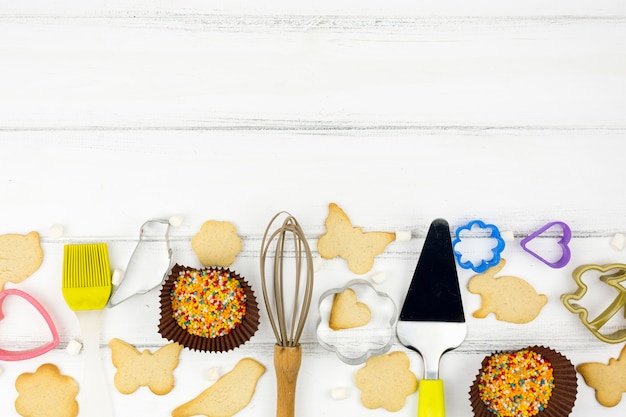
point(485, 263)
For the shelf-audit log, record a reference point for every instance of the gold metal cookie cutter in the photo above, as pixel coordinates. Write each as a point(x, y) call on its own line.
point(613, 275)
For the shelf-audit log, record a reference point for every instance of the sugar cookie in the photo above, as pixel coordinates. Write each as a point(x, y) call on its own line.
point(609, 380)
point(347, 312)
point(231, 393)
point(385, 381)
point(46, 393)
point(144, 369)
point(216, 244)
point(20, 257)
point(510, 298)
point(351, 243)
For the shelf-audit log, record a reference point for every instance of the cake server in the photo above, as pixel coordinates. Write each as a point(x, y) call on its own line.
point(432, 321)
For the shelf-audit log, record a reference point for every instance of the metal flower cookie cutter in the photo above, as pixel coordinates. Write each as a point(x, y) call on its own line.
point(613, 275)
point(480, 228)
point(355, 345)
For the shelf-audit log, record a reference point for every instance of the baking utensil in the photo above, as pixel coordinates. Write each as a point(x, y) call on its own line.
point(432, 321)
point(563, 243)
point(355, 345)
point(18, 355)
point(613, 275)
point(496, 250)
point(86, 288)
point(287, 314)
point(149, 263)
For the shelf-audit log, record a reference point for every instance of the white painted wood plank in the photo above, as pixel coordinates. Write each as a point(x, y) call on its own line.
point(204, 72)
point(323, 7)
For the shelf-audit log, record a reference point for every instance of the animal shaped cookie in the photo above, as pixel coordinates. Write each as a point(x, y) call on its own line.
point(231, 393)
point(347, 312)
point(609, 381)
point(385, 381)
point(46, 393)
point(20, 257)
point(510, 298)
point(136, 369)
point(351, 243)
point(216, 244)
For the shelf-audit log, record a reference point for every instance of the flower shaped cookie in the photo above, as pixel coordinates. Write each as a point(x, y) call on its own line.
point(385, 381)
point(216, 244)
point(46, 393)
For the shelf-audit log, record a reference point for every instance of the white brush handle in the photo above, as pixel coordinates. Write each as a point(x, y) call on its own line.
point(95, 398)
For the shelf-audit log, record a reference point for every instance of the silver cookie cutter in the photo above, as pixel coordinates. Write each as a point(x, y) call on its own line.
point(355, 345)
point(145, 271)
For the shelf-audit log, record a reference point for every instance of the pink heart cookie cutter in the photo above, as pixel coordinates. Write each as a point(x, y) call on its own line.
point(563, 242)
point(17, 355)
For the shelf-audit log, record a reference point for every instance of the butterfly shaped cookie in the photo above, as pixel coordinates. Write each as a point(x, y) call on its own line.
point(351, 243)
point(609, 381)
point(135, 369)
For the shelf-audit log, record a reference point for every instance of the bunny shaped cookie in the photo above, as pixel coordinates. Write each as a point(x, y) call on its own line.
point(510, 298)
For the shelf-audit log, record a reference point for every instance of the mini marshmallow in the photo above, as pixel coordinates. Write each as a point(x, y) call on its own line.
point(339, 393)
point(379, 277)
point(318, 263)
point(213, 374)
point(73, 347)
point(56, 231)
point(176, 221)
point(507, 236)
point(403, 235)
point(618, 242)
point(118, 276)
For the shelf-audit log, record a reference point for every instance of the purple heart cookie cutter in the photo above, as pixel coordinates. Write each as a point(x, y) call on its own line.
point(563, 244)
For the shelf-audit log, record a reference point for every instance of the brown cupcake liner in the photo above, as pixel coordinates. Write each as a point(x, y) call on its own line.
point(564, 391)
point(169, 328)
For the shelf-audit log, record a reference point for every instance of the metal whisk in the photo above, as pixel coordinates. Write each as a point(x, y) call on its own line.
point(287, 318)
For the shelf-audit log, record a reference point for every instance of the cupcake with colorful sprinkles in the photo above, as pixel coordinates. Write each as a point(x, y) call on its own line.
point(535, 381)
point(211, 309)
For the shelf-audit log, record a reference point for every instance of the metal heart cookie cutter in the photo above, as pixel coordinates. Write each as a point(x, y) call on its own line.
point(612, 275)
point(355, 345)
point(485, 263)
point(149, 264)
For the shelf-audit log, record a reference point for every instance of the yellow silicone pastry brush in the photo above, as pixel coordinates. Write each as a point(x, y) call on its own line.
point(86, 289)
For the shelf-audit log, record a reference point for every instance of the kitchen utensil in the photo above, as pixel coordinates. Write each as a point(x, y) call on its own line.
point(86, 289)
point(148, 265)
point(287, 314)
point(432, 321)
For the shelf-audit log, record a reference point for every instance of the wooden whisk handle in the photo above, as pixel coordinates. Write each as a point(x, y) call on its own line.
point(287, 361)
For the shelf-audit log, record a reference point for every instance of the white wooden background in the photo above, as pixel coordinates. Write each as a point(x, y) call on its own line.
point(114, 112)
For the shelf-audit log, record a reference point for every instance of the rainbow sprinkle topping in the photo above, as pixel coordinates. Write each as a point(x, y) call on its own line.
point(517, 384)
point(208, 302)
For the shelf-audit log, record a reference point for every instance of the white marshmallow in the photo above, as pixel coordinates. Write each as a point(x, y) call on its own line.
point(118, 276)
point(318, 263)
point(507, 236)
point(56, 231)
point(213, 374)
point(403, 235)
point(176, 221)
point(339, 393)
point(618, 242)
point(73, 347)
point(379, 277)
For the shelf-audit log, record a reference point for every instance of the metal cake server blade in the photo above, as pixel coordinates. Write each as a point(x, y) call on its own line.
point(432, 320)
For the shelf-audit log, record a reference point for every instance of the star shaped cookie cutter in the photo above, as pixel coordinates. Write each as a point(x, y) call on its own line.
point(614, 275)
